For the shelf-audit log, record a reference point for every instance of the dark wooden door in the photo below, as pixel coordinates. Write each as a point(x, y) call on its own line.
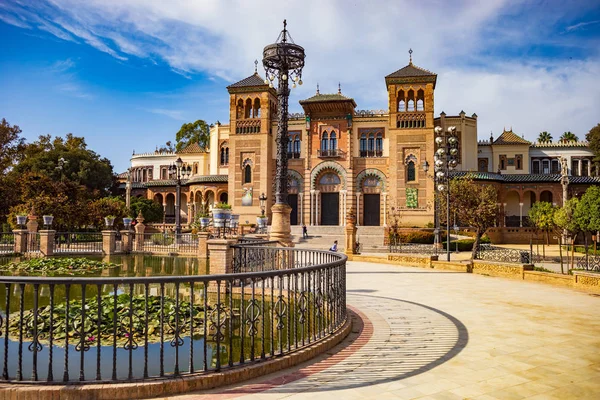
point(330, 208)
point(371, 210)
point(293, 202)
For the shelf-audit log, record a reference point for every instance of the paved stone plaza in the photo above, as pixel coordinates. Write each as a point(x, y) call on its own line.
point(446, 335)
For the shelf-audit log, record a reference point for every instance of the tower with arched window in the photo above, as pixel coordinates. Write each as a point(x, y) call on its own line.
point(411, 139)
point(248, 153)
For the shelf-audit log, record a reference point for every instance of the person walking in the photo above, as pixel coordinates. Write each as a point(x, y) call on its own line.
point(334, 247)
point(304, 232)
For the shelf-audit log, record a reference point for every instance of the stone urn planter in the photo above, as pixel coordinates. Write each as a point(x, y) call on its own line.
point(204, 222)
point(109, 221)
point(127, 222)
point(21, 220)
point(262, 221)
point(48, 220)
point(221, 213)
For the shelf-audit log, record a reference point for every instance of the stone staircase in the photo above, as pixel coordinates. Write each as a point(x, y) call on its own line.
point(322, 238)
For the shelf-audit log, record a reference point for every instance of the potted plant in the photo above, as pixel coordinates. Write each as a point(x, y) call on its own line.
point(204, 220)
point(127, 222)
point(235, 220)
point(262, 221)
point(48, 220)
point(221, 213)
point(109, 220)
point(21, 219)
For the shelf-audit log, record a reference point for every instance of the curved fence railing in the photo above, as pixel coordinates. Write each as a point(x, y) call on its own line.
point(502, 254)
point(94, 330)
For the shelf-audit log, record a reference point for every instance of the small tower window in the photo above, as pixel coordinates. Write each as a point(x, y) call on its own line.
point(379, 145)
point(333, 142)
point(247, 174)
point(410, 171)
point(363, 145)
point(324, 141)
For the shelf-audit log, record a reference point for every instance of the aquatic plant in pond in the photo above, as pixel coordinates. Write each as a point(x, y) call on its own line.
point(58, 266)
point(101, 325)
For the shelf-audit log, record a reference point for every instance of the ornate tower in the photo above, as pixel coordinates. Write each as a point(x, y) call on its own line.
point(252, 112)
point(410, 94)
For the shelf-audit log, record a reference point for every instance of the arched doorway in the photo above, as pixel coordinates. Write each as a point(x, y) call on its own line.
point(184, 208)
point(294, 188)
point(224, 198)
point(546, 196)
point(371, 188)
point(513, 209)
point(170, 209)
point(329, 185)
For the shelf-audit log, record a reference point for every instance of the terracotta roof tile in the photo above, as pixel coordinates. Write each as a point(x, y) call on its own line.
point(409, 71)
point(509, 137)
point(252, 80)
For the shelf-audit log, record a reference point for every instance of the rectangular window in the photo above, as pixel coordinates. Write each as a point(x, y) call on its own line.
point(502, 161)
point(519, 161)
point(575, 167)
point(584, 167)
point(545, 167)
point(535, 167)
point(511, 162)
point(555, 167)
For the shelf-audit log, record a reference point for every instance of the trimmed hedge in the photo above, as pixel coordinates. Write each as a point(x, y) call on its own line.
point(466, 244)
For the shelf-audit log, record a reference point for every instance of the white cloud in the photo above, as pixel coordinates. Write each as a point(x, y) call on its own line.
point(75, 90)
point(358, 43)
point(174, 114)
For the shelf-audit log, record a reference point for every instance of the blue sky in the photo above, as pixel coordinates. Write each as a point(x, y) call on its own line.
point(125, 74)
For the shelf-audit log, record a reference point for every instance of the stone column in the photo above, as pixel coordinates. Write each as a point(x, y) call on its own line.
point(301, 208)
point(350, 231)
point(109, 242)
point(47, 242)
point(342, 212)
point(504, 215)
point(317, 195)
point(579, 168)
point(358, 209)
point(521, 215)
point(165, 211)
point(20, 241)
point(221, 256)
point(203, 244)
point(384, 194)
point(126, 236)
point(280, 225)
point(589, 167)
point(312, 208)
point(140, 228)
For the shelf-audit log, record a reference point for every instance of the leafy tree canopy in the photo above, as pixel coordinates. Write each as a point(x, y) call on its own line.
point(81, 165)
point(193, 132)
point(569, 137)
point(544, 137)
point(473, 204)
point(563, 216)
point(151, 210)
point(587, 213)
point(11, 145)
point(166, 148)
point(541, 215)
point(593, 138)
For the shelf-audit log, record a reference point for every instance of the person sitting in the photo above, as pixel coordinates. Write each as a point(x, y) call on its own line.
point(334, 247)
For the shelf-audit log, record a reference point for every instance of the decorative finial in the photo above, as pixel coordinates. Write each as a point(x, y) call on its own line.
point(256, 66)
point(339, 88)
point(318, 89)
point(284, 39)
point(491, 137)
point(410, 55)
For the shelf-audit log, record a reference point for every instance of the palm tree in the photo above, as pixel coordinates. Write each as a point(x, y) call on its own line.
point(568, 137)
point(545, 137)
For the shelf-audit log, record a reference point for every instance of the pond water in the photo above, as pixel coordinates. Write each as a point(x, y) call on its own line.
point(249, 324)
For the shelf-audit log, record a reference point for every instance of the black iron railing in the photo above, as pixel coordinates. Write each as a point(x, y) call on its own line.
point(589, 263)
point(256, 255)
point(33, 242)
point(396, 246)
point(94, 330)
point(78, 242)
point(165, 243)
point(494, 253)
point(7, 242)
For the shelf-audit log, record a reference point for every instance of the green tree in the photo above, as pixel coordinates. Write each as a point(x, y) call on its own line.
point(151, 210)
point(544, 137)
point(593, 138)
point(166, 148)
point(568, 137)
point(565, 221)
point(193, 132)
point(100, 208)
point(11, 145)
point(541, 216)
point(81, 166)
point(587, 213)
point(473, 204)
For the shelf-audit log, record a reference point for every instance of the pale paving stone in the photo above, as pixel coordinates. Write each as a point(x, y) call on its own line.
point(525, 340)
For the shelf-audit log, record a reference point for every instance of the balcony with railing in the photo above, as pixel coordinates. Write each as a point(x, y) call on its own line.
point(293, 155)
point(371, 153)
point(331, 153)
point(247, 126)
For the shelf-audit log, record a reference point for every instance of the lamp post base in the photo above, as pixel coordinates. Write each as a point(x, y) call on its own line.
point(280, 225)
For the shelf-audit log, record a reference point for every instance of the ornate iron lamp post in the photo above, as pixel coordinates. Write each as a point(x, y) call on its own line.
point(445, 159)
point(179, 171)
point(283, 61)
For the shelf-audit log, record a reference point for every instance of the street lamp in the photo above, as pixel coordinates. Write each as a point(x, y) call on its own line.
point(263, 201)
point(445, 160)
point(179, 171)
point(61, 166)
point(283, 61)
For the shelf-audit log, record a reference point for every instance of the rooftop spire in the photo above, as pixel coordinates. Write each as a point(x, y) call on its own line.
point(339, 88)
point(410, 56)
point(318, 89)
point(256, 66)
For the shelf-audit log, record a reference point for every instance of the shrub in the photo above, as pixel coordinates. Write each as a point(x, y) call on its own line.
point(161, 239)
point(466, 244)
point(413, 237)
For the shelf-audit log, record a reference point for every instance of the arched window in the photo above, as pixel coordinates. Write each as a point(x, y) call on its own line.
point(411, 105)
point(419, 105)
point(296, 146)
point(324, 141)
point(195, 168)
point(248, 174)
point(371, 144)
point(379, 145)
point(223, 198)
point(227, 155)
point(256, 109)
point(333, 142)
point(401, 106)
point(410, 171)
point(240, 109)
point(420, 100)
point(363, 145)
point(248, 109)
point(224, 154)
